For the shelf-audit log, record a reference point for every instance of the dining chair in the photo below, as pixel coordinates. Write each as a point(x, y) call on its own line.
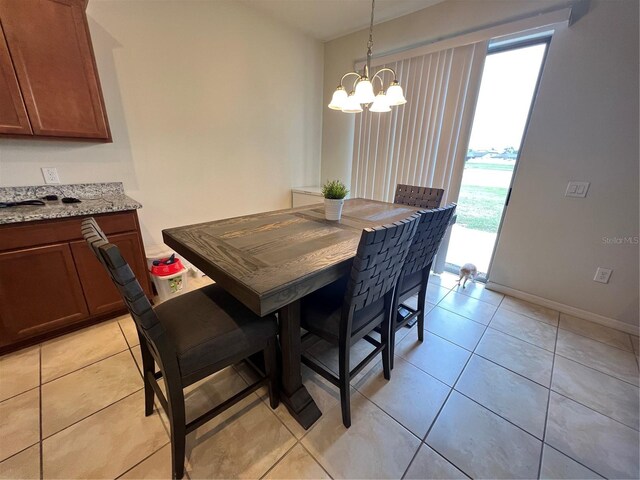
point(189, 337)
point(348, 310)
point(421, 197)
point(414, 277)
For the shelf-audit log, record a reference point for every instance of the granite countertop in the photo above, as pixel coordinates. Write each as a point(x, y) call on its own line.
point(95, 198)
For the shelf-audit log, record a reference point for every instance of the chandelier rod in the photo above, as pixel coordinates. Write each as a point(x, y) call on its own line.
point(370, 42)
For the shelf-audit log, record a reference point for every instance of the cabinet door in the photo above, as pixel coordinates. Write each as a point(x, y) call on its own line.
point(13, 115)
point(39, 292)
point(53, 58)
point(99, 291)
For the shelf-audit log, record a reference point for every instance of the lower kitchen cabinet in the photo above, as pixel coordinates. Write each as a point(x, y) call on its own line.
point(99, 292)
point(50, 281)
point(39, 292)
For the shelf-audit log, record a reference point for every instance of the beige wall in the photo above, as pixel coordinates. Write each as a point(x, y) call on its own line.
point(215, 111)
point(584, 127)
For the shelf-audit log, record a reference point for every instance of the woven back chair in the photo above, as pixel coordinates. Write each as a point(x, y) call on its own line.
point(349, 309)
point(189, 337)
point(414, 278)
point(421, 197)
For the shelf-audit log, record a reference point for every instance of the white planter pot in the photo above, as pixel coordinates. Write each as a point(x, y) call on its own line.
point(333, 208)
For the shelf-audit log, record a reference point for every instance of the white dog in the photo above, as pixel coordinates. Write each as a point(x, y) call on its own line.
point(469, 272)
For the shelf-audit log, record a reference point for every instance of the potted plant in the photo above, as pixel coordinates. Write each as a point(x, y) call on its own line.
point(333, 192)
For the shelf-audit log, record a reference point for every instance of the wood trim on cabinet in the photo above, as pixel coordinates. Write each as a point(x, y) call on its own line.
point(43, 232)
point(12, 120)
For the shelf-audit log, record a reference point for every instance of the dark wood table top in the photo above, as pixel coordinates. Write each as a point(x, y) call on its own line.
point(269, 260)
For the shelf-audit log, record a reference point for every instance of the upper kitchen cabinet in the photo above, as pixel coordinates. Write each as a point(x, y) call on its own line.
point(47, 68)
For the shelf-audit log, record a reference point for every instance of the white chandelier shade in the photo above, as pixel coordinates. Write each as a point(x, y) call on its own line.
point(339, 99)
point(380, 104)
point(351, 105)
point(363, 94)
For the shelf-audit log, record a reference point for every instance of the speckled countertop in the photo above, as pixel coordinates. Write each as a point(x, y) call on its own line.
point(95, 198)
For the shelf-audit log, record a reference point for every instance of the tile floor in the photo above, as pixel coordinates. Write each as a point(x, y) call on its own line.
point(500, 388)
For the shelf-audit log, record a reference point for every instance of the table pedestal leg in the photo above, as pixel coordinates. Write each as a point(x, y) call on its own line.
point(294, 394)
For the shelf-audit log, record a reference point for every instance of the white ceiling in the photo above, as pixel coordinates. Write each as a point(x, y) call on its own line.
point(329, 19)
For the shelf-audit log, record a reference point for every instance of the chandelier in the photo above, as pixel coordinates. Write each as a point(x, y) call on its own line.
point(362, 93)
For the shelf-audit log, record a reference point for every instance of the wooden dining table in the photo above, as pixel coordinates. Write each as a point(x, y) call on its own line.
point(270, 260)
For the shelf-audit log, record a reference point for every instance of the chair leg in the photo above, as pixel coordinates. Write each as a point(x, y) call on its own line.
point(177, 421)
point(148, 366)
point(422, 301)
point(271, 367)
point(387, 337)
point(345, 398)
point(392, 337)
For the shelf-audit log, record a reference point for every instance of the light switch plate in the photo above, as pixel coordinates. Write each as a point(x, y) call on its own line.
point(50, 175)
point(577, 189)
point(602, 275)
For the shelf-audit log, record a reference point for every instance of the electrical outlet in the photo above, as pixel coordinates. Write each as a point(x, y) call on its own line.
point(50, 175)
point(577, 189)
point(602, 275)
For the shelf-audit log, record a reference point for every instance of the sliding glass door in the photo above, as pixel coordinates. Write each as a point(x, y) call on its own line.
point(507, 91)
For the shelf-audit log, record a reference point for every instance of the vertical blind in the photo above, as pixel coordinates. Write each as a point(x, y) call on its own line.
point(425, 142)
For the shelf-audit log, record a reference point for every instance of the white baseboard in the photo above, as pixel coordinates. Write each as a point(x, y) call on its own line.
point(561, 307)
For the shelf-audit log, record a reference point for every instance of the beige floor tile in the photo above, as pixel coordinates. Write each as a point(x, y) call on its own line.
point(469, 307)
point(297, 464)
point(482, 444)
point(444, 279)
point(19, 372)
point(436, 356)
point(412, 397)
point(19, 423)
point(404, 332)
point(155, 467)
point(603, 445)
point(532, 310)
point(23, 465)
point(521, 357)
point(375, 446)
point(480, 292)
point(508, 394)
point(525, 328)
point(109, 442)
point(327, 355)
point(137, 356)
point(603, 334)
point(436, 292)
point(243, 442)
point(210, 392)
point(128, 327)
point(412, 302)
point(602, 393)
point(556, 465)
point(594, 354)
point(79, 394)
point(453, 327)
point(79, 349)
point(429, 464)
point(323, 393)
point(636, 346)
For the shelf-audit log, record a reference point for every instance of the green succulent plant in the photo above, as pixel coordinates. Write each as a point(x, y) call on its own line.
point(334, 189)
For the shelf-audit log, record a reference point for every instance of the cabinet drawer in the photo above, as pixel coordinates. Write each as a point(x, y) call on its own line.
point(30, 234)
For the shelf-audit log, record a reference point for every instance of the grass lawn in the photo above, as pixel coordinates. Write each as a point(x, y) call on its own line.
point(480, 207)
